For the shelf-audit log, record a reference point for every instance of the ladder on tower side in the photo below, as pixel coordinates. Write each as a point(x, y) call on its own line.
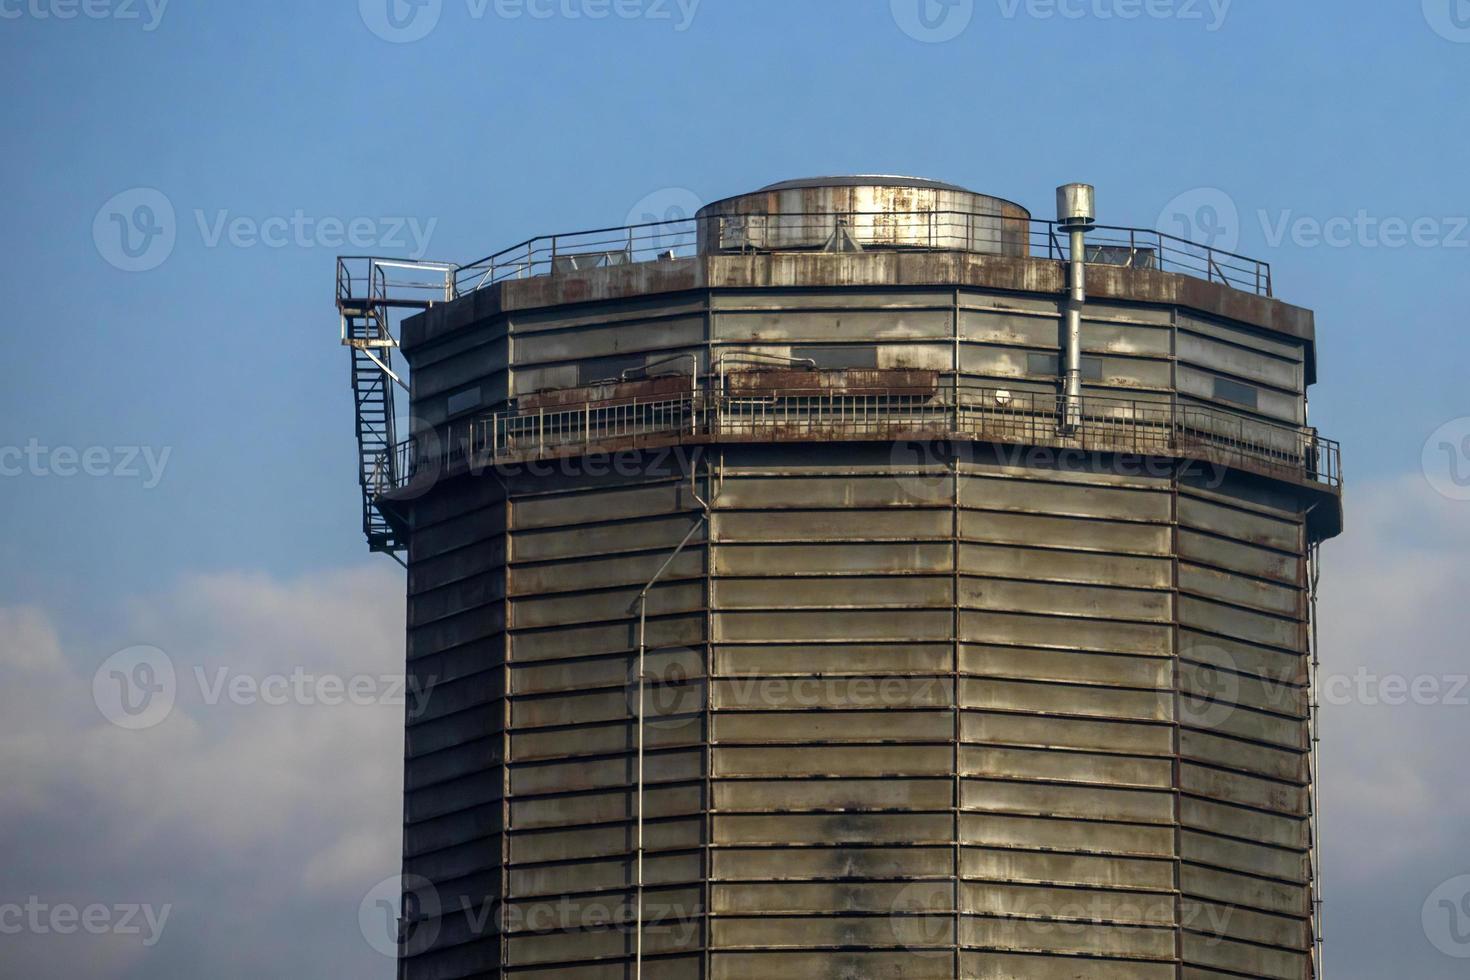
point(368, 291)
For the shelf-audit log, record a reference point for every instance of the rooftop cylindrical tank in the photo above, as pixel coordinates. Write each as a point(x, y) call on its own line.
point(852, 213)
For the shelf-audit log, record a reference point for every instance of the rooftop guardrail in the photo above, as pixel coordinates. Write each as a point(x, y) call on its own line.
point(1111, 425)
point(994, 233)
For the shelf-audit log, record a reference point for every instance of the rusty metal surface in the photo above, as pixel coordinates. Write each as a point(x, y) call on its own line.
point(848, 381)
point(884, 269)
point(606, 393)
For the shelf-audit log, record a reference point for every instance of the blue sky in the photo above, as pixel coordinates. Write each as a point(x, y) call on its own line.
point(499, 124)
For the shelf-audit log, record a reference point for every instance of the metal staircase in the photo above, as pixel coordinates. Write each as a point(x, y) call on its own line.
point(369, 290)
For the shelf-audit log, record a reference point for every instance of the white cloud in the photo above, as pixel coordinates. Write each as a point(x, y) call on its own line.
point(1394, 604)
point(261, 824)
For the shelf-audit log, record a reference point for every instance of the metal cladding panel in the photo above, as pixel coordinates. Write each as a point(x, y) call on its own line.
point(988, 717)
point(1072, 734)
point(835, 727)
point(832, 964)
point(852, 326)
point(1048, 832)
point(831, 828)
point(1066, 666)
point(734, 898)
point(1089, 939)
point(1010, 966)
point(1280, 372)
point(601, 340)
point(833, 660)
point(1132, 908)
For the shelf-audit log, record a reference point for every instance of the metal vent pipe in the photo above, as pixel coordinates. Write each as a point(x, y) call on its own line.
point(1076, 214)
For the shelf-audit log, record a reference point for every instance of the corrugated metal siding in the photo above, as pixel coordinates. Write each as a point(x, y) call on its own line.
point(906, 719)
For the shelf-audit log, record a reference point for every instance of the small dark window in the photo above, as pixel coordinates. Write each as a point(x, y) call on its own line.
point(1049, 366)
point(608, 368)
point(1233, 391)
point(838, 358)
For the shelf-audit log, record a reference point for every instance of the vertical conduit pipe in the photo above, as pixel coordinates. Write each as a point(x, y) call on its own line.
point(1075, 214)
point(642, 604)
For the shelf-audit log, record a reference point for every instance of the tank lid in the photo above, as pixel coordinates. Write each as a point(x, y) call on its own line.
point(864, 180)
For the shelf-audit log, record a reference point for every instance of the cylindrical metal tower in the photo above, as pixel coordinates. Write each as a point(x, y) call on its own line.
point(784, 618)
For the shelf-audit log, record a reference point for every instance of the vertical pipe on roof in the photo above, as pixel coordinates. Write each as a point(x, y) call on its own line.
point(1075, 213)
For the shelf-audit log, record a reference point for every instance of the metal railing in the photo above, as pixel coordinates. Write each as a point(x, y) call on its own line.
point(960, 230)
point(369, 281)
point(1113, 425)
